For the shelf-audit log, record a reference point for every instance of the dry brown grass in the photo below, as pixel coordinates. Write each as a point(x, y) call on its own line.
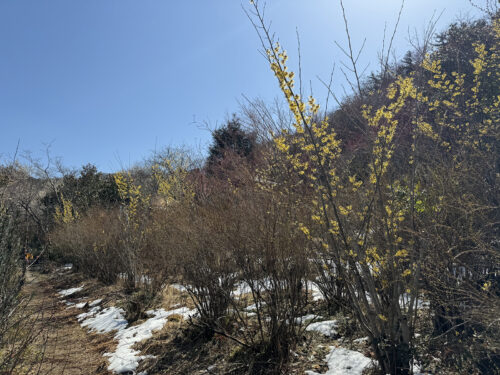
point(171, 298)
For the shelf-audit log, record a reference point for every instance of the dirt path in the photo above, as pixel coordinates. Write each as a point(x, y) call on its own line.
point(68, 348)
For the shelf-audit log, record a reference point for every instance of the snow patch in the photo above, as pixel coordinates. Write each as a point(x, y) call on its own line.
point(315, 291)
point(70, 291)
point(306, 318)
point(90, 313)
point(242, 288)
point(179, 287)
point(361, 340)
point(253, 307)
point(95, 303)
point(125, 359)
point(110, 319)
point(405, 299)
point(327, 327)
point(342, 361)
point(183, 311)
point(71, 305)
point(418, 371)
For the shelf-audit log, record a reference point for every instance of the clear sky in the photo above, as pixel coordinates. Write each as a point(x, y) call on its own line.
point(108, 81)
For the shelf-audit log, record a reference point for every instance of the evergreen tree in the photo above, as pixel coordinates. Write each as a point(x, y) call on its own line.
point(230, 139)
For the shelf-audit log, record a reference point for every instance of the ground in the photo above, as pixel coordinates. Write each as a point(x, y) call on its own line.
point(162, 342)
point(68, 348)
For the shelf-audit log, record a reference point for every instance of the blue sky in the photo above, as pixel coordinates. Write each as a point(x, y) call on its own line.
point(108, 81)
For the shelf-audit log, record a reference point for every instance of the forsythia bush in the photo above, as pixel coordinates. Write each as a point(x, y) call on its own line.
point(370, 238)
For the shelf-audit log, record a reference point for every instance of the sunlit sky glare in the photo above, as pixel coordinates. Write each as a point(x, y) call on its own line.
point(108, 81)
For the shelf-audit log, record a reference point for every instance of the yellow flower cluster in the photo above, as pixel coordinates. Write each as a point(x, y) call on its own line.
point(314, 150)
point(131, 195)
point(171, 184)
point(68, 213)
point(458, 107)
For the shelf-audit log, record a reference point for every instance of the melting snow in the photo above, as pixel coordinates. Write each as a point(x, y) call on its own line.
point(242, 288)
point(179, 287)
point(361, 340)
point(418, 371)
point(70, 305)
point(107, 320)
point(342, 361)
point(95, 303)
point(70, 291)
point(315, 291)
point(306, 318)
point(91, 312)
point(327, 327)
point(183, 311)
point(125, 359)
point(251, 307)
point(405, 299)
